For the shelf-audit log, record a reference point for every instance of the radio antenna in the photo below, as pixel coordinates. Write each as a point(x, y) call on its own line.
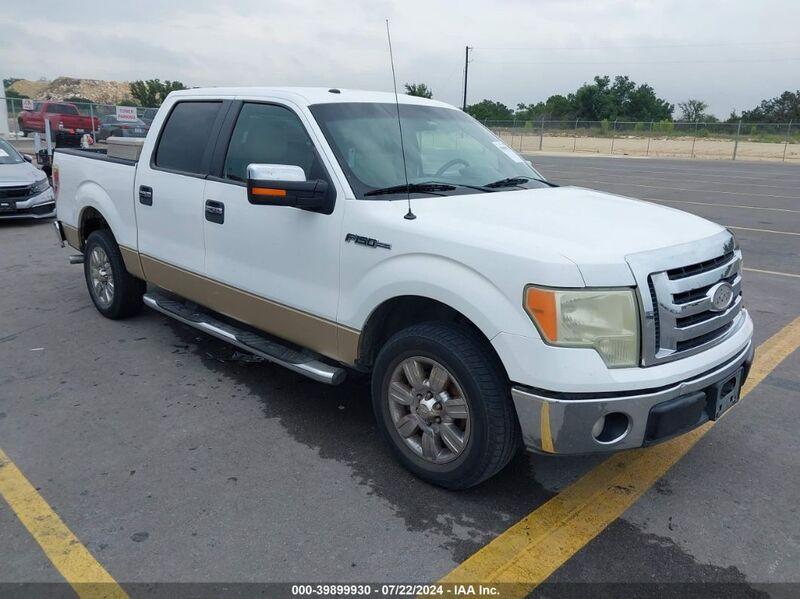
point(409, 215)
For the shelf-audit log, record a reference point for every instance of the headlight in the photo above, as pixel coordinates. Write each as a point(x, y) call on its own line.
point(40, 186)
point(605, 320)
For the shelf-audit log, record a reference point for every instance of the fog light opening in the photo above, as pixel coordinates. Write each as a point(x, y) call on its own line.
point(611, 428)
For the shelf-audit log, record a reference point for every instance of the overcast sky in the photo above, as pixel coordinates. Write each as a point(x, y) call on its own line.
point(730, 53)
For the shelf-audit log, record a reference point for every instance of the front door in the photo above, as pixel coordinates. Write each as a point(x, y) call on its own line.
point(279, 265)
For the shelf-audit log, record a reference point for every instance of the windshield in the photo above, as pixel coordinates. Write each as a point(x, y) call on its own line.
point(442, 145)
point(8, 155)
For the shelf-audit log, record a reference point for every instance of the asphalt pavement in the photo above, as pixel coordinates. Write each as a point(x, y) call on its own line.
point(173, 457)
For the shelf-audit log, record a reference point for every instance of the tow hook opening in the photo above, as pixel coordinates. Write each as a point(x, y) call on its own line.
point(611, 428)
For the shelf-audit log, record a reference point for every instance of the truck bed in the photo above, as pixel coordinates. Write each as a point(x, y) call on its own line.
point(92, 179)
point(95, 154)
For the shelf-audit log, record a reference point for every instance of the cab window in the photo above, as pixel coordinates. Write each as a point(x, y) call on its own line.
point(185, 136)
point(270, 134)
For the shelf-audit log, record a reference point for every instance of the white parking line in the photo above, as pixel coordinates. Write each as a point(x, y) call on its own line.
point(718, 205)
point(705, 191)
point(773, 272)
point(672, 178)
point(763, 230)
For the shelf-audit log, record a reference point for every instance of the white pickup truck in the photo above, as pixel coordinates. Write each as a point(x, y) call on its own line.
point(492, 309)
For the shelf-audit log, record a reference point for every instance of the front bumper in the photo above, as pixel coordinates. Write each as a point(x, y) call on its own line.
point(42, 205)
point(567, 423)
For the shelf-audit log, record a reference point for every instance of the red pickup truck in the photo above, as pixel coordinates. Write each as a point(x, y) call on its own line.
point(65, 119)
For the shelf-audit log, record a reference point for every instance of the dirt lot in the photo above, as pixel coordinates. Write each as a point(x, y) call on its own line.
point(657, 147)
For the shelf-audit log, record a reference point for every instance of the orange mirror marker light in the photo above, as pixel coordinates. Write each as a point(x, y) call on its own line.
point(267, 191)
point(541, 305)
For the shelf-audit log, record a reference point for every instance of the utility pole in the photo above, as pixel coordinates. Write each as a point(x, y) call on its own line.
point(466, 72)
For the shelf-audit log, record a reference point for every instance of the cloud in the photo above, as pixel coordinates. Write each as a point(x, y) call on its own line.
point(525, 50)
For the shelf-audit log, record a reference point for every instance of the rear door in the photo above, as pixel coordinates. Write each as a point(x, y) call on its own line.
point(168, 193)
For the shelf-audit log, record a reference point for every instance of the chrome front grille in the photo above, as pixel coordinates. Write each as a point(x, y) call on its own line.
point(676, 288)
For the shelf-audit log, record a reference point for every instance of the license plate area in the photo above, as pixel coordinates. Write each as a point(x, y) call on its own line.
point(725, 394)
point(8, 205)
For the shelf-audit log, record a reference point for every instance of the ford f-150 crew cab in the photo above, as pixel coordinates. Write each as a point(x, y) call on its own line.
point(491, 308)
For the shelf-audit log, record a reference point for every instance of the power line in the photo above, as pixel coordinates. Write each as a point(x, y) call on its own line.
point(642, 47)
point(617, 62)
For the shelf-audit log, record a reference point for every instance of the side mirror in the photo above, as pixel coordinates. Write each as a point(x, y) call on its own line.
point(286, 185)
point(28, 157)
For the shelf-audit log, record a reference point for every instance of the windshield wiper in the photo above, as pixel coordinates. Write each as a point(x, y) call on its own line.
point(515, 182)
point(431, 188)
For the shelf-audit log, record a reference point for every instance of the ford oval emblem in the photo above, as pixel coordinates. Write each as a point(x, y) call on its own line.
point(721, 296)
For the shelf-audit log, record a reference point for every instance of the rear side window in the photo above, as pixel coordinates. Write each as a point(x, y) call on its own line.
point(185, 136)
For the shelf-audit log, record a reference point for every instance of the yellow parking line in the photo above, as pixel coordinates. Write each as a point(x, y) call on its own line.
point(531, 550)
point(86, 576)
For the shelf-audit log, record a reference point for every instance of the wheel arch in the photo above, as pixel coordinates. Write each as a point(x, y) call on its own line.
point(400, 312)
point(90, 220)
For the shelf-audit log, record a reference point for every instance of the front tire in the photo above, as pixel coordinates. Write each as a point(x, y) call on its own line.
point(442, 402)
point(115, 292)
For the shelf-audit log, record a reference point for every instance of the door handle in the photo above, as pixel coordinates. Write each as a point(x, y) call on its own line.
point(215, 212)
point(145, 195)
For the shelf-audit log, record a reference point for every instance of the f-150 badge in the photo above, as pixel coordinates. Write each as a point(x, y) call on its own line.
point(367, 241)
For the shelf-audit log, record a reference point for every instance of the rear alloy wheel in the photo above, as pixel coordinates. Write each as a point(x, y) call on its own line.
point(102, 277)
point(443, 403)
point(115, 292)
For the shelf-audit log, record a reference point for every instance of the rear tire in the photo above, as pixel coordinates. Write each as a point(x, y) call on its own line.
point(115, 292)
point(450, 443)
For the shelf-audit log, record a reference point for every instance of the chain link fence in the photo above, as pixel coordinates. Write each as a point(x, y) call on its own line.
point(102, 121)
point(673, 139)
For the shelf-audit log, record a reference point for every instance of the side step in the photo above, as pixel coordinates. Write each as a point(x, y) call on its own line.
point(300, 361)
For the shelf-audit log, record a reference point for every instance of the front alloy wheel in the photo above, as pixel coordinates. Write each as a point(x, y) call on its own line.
point(429, 409)
point(443, 404)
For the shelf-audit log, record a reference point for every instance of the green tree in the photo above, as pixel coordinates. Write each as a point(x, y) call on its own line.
point(780, 109)
point(420, 90)
point(151, 93)
point(620, 99)
point(557, 107)
point(489, 110)
point(694, 111)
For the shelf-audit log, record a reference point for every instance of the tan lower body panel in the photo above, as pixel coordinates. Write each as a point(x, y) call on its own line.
point(72, 236)
point(132, 263)
point(320, 335)
point(129, 256)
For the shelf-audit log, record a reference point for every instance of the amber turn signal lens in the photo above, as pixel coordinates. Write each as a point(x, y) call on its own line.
point(267, 191)
point(541, 304)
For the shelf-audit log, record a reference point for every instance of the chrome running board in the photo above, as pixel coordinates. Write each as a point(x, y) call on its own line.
point(301, 361)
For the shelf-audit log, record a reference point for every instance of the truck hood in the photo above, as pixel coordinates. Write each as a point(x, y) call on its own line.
point(593, 229)
point(19, 174)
